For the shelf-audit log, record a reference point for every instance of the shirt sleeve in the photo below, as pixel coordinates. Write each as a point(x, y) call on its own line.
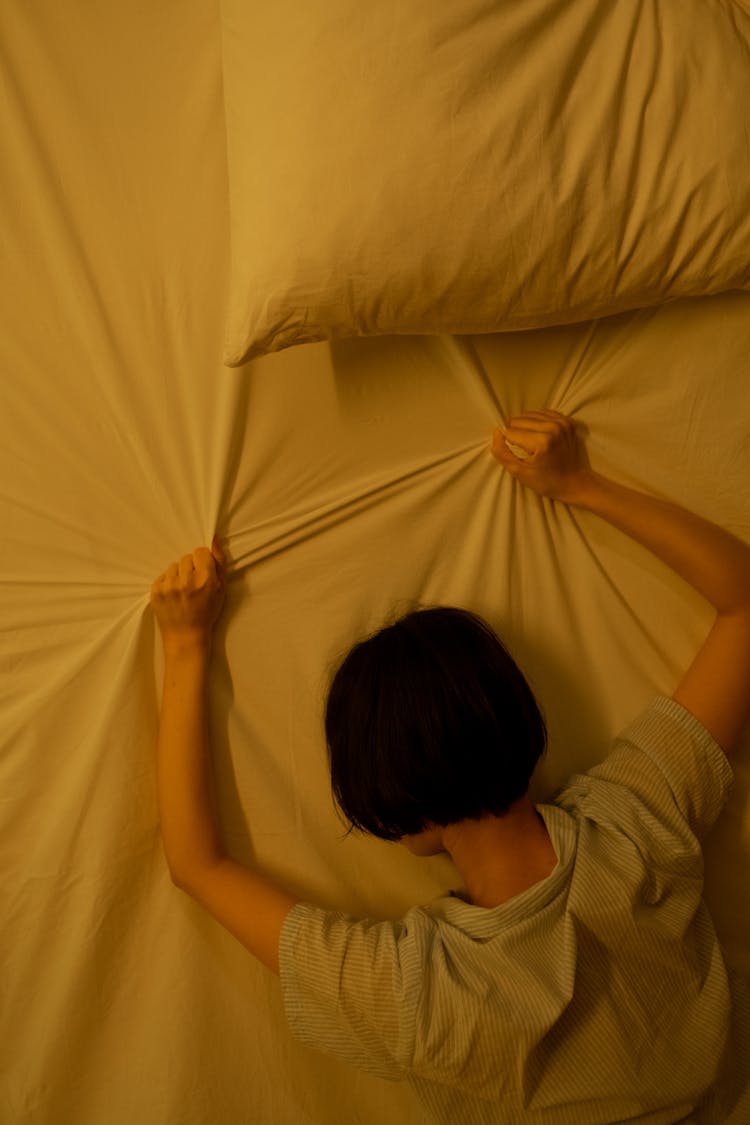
point(351, 987)
point(665, 779)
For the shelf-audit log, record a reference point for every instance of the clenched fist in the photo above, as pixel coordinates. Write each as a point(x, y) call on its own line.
point(541, 450)
point(188, 597)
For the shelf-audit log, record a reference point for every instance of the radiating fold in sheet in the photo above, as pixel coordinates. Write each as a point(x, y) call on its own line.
point(348, 482)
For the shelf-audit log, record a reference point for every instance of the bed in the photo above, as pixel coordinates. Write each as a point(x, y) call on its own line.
point(173, 364)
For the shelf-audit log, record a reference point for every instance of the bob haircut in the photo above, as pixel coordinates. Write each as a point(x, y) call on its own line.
point(430, 721)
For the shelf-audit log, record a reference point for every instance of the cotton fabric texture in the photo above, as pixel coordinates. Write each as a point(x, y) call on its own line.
point(481, 166)
point(599, 995)
point(346, 481)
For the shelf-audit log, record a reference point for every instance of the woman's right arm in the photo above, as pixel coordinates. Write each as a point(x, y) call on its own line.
point(716, 687)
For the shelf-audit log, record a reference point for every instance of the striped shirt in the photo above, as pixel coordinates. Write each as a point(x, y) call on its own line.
point(598, 995)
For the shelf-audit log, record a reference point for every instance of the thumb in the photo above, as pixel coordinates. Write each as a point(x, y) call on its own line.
point(497, 445)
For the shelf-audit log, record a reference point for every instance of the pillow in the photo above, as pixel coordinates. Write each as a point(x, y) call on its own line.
point(434, 166)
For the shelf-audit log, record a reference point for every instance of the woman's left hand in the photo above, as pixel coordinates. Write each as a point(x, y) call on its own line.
point(188, 597)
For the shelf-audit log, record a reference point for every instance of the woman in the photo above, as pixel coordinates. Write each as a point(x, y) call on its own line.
point(578, 978)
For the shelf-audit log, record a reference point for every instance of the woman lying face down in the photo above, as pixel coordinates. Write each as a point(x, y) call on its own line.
point(578, 977)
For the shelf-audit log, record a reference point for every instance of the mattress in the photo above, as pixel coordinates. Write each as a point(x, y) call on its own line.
point(349, 479)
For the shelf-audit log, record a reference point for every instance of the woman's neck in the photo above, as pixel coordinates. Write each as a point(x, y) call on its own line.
point(498, 857)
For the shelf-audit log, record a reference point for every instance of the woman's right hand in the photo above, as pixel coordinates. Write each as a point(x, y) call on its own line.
point(188, 597)
point(549, 458)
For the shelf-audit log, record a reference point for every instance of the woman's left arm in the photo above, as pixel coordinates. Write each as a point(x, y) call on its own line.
point(187, 601)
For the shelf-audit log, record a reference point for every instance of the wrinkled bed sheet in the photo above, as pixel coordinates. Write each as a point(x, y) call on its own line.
point(349, 481)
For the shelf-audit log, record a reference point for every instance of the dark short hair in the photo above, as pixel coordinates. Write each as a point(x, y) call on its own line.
point(430, 721)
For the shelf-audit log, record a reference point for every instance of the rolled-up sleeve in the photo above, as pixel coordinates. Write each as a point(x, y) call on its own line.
point(351, 987)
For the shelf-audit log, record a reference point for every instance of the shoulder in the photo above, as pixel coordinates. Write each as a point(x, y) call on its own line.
point(666, 762)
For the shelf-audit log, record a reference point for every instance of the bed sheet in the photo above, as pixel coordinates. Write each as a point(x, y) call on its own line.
point(349, 481)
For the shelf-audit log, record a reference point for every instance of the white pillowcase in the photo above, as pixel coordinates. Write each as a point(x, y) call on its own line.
point(466, 166)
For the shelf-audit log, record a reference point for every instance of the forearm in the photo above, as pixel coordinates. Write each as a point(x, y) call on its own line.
point(710, 559)
point(187, 806)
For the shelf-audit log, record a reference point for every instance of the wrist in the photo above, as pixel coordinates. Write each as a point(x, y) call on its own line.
point(581, 488)
point(187, 644)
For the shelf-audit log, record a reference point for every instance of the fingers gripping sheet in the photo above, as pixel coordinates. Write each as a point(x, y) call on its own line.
point(349, 482)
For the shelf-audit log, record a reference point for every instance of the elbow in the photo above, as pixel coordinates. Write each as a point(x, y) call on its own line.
point(193, 878)
point(180, 875)
point(178, 880)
